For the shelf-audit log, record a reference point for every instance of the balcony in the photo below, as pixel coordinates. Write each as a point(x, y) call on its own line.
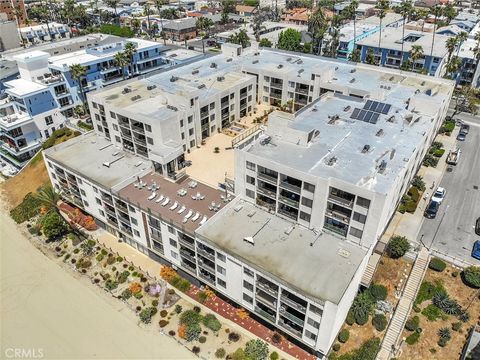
point(290, 186)
point(224, 104)
point(341, 201)
point(108, 199)
point(126, 229)
point(208, 278)
point(285, 299)
point(301, 101)
point(203, 114)
point(302, 91)
point(267, 288)
point(206, 254)
point(276, 85)
point(268, 177)
point(292, 214)
point(292, 317)
point(110, 211)
point(186, 243)
point(269, 193)
point(276, 95)
point(189, 267)
point(289, 201)
point(265, 314)
point(121, 206)
point(336, 229)
point(188, 255)
point(206, 265)
point(112, 221)
point(266, 299)
point(290, 328)
point(138, 128)
point(337, 215)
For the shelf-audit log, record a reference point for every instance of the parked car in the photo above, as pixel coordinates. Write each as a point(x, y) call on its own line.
point(461, 137)
point(432, 210)
point(476, 250)
point(477, 227)
point(439, 195)
point(464, 129)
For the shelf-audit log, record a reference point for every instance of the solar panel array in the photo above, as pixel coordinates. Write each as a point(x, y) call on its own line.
point(377, 106)
point(364, 115)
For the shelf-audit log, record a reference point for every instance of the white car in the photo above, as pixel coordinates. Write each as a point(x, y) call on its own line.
point(439, 195)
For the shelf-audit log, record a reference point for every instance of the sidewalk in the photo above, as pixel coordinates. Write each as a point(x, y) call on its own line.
point(247, 326)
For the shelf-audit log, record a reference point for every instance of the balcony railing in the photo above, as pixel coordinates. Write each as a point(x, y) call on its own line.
point(338, 216)
point(291, 329)
point(189, 267)
point(267, 177)
point(265, 314)
point(335, 229)
point(276, 85)
point(291, 187)
point(186, 243)
point(206, 266)
point(267, 289)
point(292, 317)
point(276, 95)
point(224, 104)
point(288, 201)
point(187, 255)
point(264, 300)
point(290, 214)
point(301, 91)
point(269, 193)
point(207, 278)
point(341, 201)
point(206, 254)
point(293, 304)
point(203, 114)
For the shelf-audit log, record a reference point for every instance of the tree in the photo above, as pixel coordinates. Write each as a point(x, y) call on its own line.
point(317, 26)
point(48, 198)
point(147, 12)
point(362, 307)
point(129, 52)
point(476, 50)
point(437, 10)
point(41, 13)
point(355, 55)
point(422, 14)
point(460, 40)
point(382, 7)
point(78, 73)
point(406, 10)
point(158, 5)
point(416, 53)
point(256, 349)
point(240, 38)
point(350, 12)
point(449, 12)
point(451, 44)
point(136, 25)
point(290, 40)
point(53, 225)
point(120, 60)
point(370, 58)
point(452, 67)
point(257, 24)
point(265, 43)
point(227, 7)
point(113, 4)
point(397, 246)
point(203, 25)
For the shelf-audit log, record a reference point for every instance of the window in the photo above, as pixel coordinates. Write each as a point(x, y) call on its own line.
point(250, 193)
point(171, 230)
point(307, 202)
point(117, 139)
point(46, 133)
point(134, 221)
point(190, 132)
point(97, 117)
point(181, 123)
point(95, 106)
point(101, 212)
point(250, 180)
point(355, 232)
point(192, 102)
point(304, 216)
point(316, 310)
point(83, 192)
point(192, 143)
point(313, 323)
point(248, 272)
point(136, 232)
point(98, 201)
point(247, 285)
point(232, 96)
point(212, 106)
point(221, 270)
point(250, 166)
point(310, 335)
point(49, 120)
point(308, 187)
point(174, 254)
point(221, 257)
point(359, 217)
point(173, 243)
point(131, 209)
point(222, 283)
point(363, 202)
point(190, 119)
point(85, 203)
point(266, 78)
point(248, 298)
point(148, 128)
point(112, 115)
point(95, 190)
point(149, 140)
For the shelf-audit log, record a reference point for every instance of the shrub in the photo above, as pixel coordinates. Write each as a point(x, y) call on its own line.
point(378, 292)
point(146, 314)
point(163, 313)
point(197, 309)
point(195, 350)
point(123, 276)
point(193, 332)
point(190, 317)
point(442, 342)
point(379, 321)
point(83, 263)
point(110, 260)
point(202, 297)
point(444, 333)
point(220, 353)
point(463, 316)
point(455, 274)
point(202, 339)
point(233, 337)
point(446, 304)
point(126, 294)
point(412, 323)
point(116, 30)
point(430, 160)
point(362, 307)
point(211, 322)
point(276, 338)
point(350, 318)
point(274, 356)
point(410, 206)
point(456, 326)
point(111, 285)
point(343, 336)
point(438, 153)
point(53, 225)
point(471, 276)
point(367, 351)
point(256, 349)
point(181, 284)
point(418, 182)
point(155, 302)
point(163, 323)
point(336, 347)
point(99, 257)
point(239, 354)
point(178, 309)
point(414, 194)
point(397, 246)
point(412, 338)
point(437, 264)
point(432, 313)
point(428, 290)
point(103, 252)
point(26, 210)
point(171, 333)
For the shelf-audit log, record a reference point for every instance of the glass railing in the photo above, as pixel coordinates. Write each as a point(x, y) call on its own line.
point(292, 317)
point(265, 314)
point(293, 303)
point(268, 177)
point(335, 229)
point(340, 200)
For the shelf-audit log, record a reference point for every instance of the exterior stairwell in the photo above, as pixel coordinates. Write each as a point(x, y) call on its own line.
point(395, 329)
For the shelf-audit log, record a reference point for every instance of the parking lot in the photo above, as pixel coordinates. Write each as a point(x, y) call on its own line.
point(451, 233)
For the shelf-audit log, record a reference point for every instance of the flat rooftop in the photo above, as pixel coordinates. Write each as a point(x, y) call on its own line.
point(87, 154)
point(22, 87)
point(318, 265)
point(391, 39)
point(338, 148)
point(197, 199)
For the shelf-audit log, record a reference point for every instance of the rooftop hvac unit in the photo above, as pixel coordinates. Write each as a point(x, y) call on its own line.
point(279, 66)
point(365, 149)
point(382, 166)
point(255, 61)
point(151, 87)
point(195, 72)
point(126, 90)
point(173, 79)
point(249, 239)
point(136, 97)
point(201, 86)
point(220, 78)
point(213, 65)
point(229, 59)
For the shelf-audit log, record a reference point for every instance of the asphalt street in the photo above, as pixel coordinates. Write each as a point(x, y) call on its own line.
point(451, 233)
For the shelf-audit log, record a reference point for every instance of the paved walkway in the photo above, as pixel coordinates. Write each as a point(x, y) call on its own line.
point(395, 329)
point(227, 311)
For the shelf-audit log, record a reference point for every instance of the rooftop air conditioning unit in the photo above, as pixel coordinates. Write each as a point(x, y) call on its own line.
point(249, 239)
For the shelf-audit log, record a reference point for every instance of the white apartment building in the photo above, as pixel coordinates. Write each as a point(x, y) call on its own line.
point(312, 193)
point(37, 34)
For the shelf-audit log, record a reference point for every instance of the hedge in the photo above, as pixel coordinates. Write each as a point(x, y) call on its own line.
point(343, 336)
point(437, 264)
point(412, 338)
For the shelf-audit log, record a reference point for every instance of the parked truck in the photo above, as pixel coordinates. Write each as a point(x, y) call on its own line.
point(453, 156)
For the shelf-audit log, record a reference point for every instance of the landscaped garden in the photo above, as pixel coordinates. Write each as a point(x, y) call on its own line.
point(435, 152)
point(411, 199)
point(367, 320)
point(446, 307)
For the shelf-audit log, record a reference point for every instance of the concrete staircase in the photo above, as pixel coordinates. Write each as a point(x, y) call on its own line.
point(395, 329)
point(370, 270)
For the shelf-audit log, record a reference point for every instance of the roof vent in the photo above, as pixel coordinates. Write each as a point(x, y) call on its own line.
point(173, 78)
point(213, 65)
point(220, 78)
point(336, 68)
point(229, 60)
point(106, 164)
point(255, 61)
point(126, 90)
point(195, 72)
point(136, 97)
point(151, 87)
point(353, 70)
point(289, 230)
point(201, 86)
point(115, 153)
point(265, 141)
point(249, 239)
point(347, 108)
point(392, 78)
point(352, 81)
point(379, 132)
point(391, 119)
point(238, 208)
point(138, 163)
point(279, 66)
point(382, 166)
point(392, 154)
point(300, 61)
point(332, 161)
point(251, 213)
point(365, 149)
point(172, 108)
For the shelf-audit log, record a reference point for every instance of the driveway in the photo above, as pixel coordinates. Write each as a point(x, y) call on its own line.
point(451, 233)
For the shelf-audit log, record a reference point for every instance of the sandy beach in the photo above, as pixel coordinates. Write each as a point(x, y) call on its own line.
point(49, 313)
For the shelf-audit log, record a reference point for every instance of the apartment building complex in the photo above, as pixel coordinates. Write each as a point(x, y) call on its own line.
point(319, 185)
point(27, 119)
point(40, 33)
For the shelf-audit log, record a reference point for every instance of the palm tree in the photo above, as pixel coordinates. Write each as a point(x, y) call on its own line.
point(437, 11)
point(460, 39)
point(317, 26)
point(382, 7)
point(422, 14)
point(370, 57)
point(158, 5)
point(476, 50)
point(113, 4)
point(257, 24)
point(451, 44)
point(351, 13)
point(355, 55)
point(203, 25)
point(78, 73)
point(121, 60)
point(147, 11)
point(416, 52)
point(452, 67)
point(136, 25)
point(129, 52)
point(406, 9)
point(48, 198)
point(240, 38)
